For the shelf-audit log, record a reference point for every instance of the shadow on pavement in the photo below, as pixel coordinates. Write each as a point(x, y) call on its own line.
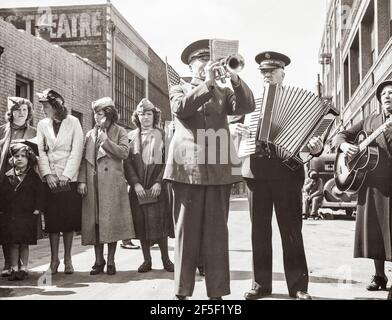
point(19, 292)
point(247, 275)
point(82, 279)
point(35, 285)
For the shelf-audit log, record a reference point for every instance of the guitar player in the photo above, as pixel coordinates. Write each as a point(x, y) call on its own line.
point(373, 232)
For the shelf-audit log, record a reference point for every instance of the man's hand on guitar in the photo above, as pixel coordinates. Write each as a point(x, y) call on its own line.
point(349, 149)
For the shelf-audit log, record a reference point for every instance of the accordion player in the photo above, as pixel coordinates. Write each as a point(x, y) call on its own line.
point(285, 120)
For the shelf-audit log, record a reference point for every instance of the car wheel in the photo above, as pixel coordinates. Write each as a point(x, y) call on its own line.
point(349, 212)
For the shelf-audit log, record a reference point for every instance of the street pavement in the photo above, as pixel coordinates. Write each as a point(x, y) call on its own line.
point(334, 274)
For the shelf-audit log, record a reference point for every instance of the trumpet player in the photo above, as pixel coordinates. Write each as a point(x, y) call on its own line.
point(201, 188)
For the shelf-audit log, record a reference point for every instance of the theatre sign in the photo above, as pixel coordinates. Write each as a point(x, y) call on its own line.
point(68, 24)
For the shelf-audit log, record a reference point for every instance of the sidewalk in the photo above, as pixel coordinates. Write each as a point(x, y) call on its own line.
point(334, 274)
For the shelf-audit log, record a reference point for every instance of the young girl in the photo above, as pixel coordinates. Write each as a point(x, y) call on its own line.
point(22, 198)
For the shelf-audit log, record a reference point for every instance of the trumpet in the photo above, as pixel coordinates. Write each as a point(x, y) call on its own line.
point(234, 63)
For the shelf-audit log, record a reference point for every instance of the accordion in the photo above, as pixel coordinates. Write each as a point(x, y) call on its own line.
point(284, 121)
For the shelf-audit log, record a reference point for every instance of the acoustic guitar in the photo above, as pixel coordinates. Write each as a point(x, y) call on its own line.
point(350, 172)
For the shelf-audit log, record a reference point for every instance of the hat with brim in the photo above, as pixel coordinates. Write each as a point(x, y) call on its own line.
point(103, 103)
point(16, 145)
point(272, 60)
point(381, 87)
point(29, 146)
point(144, 106)
point(50, 95)
point(197, 49)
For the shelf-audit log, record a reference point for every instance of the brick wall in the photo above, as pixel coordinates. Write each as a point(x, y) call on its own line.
point(79, 29)
point(49, 66)
point(157, 85)
point(93, 52)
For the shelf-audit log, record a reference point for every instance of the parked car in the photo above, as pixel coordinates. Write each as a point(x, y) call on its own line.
point(333, 198)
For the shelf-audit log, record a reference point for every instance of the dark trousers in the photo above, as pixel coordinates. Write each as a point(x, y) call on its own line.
point(200, 215)
point(286, 196)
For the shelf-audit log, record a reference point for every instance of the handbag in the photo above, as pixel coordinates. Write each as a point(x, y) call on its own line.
point(59, 189)
point(149, 199)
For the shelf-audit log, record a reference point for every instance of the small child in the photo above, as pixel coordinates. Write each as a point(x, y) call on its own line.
point(21, 201)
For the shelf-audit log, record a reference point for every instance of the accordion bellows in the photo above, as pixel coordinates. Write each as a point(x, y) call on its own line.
point(284, 121)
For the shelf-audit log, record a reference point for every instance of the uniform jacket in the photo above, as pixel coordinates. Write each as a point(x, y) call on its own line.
point(197, 108)
point(255, 167)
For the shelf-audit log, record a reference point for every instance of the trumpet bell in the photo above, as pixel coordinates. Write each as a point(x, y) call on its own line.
point(235, 63)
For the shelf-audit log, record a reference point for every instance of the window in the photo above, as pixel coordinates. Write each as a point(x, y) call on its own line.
point(367, 110)
point(78, 115)
point(358, 117)
point(24, 88)
point(373, 43)
point(390, 18)
point(129, 90)
point(368, 40)
point(354, 66)
point(347, 94)
point(337, 64)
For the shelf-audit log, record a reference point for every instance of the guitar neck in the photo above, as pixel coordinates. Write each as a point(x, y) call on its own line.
point(365, 143)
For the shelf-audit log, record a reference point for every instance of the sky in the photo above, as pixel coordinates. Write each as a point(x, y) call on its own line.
point(294, 28)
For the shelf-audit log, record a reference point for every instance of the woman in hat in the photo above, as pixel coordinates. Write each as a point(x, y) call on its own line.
point(144, 171)
point(22, 200)
point(60, 144)
point(18, 115)
point(106, 216)
point(373, 232)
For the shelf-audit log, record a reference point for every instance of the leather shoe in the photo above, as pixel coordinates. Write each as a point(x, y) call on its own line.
point(111, 270)
point(390, 294)
point(97, 269)
point(22, 275)
point(53, 268)
point(6, 273)
point(13, 276)
point(168, 265)
point(145, 267)
point(68, 267)
point(216, 298)
point(176, 297)
point(377, 283)
point(301, 295)
point(257, 293)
